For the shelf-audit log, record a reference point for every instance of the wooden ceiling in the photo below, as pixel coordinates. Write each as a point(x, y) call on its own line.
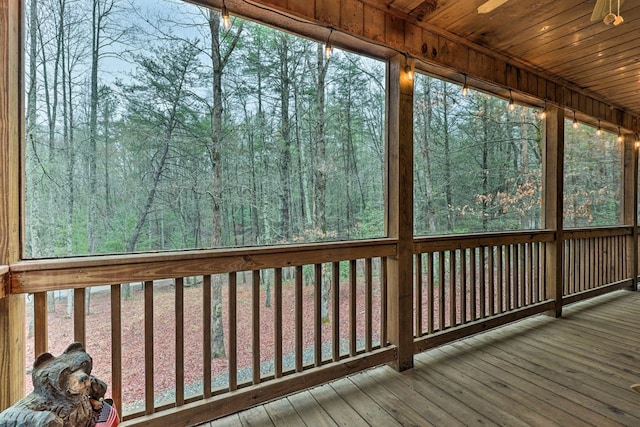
point(554, 37)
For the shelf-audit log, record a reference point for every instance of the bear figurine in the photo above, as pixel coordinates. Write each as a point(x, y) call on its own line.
point(65, 394)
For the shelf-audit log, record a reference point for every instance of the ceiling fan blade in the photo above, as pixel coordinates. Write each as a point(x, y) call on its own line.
point(490, 5)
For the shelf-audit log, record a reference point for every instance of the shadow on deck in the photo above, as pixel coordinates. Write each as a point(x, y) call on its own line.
point(572, 371)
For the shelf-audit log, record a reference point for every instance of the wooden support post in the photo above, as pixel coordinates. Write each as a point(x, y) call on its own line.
point(400, 208)
point(553, 191)
point(12, 307)
point(629, 208)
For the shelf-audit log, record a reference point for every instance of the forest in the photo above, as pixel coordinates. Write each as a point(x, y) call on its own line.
point(151, 126)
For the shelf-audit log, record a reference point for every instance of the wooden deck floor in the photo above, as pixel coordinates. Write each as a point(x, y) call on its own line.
point(573, 371)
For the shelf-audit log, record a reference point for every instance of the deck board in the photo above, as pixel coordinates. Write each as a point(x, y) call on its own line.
point(542, 371)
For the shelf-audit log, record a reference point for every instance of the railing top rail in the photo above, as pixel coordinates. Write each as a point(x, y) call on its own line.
point(466, 241)
point(79, 272)
point(586, 233)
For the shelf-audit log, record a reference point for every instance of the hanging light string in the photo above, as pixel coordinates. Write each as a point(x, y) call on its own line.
point(465, 88)
point(327, 47)
point(575, 121)
point(512, 104)
point(599, 130)
point(226, 19)
point(356, 36)
point(407, 67)
point(543, 114)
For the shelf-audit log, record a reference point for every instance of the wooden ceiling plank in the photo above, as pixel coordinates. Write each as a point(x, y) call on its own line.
point(574, 44)
point(522, 20)
point(578, 45)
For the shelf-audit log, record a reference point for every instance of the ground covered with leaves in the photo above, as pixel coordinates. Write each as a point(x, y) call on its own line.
point(98, 325)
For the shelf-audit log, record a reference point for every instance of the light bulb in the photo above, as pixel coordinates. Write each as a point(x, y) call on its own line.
point(465, 90)
point(409, 71)
point(512, 105)
point(619, 135)
point(327, 50)
point(543, 114)
point(599, 131)
point(575, 124)
point(226, 19)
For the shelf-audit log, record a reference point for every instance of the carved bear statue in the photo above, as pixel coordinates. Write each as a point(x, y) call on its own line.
point(64, 393)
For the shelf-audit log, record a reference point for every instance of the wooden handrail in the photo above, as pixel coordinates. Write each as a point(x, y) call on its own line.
point(457, 241)
point(80, 272)
point(589, 233)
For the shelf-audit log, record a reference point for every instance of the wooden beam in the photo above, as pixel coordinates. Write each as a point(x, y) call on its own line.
point(629, 208)
point(12, 307)
point(553, 190)
point(399, 207)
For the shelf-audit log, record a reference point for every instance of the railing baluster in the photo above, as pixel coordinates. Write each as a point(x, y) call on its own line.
point(418, 296)
point(473, 285)
point(483, 283)
point(530, 269)
point(441, 285)
point(383, 301)
point(148, 348)
point(298, 318)
point(233, 330)
point(509, 277)
point(335, 311)
point(463, 286)
point(491, 287)
point(352, 307)
point(368, 303)
point(452, 288)
point(116, 347)
point(255, 325)
point(179, 313)
point(277, 321)
point(500, 277)
point(523, 275)
point(593, 260)
point(516, 276)
point(206, 335)
point(317, 317)
point(79, 316)
point(40, 323)
point(431, 293)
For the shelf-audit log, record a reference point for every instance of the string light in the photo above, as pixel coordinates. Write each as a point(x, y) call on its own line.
point(465, 88)
point(599, 130)
point(407, 68)
point(575, 121)
point(327, 47)
point(637, 139)
point(226, 19)
point(543, 114)
point(512, 105)
point(619, 135)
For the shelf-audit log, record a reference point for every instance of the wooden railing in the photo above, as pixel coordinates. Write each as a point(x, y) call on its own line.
point(335, 294)
point(296, 316)
point(464, 284)
point(595, 260)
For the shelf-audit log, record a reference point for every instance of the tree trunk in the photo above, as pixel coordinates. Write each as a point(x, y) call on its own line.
point(218, 62)
point(447, 158)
